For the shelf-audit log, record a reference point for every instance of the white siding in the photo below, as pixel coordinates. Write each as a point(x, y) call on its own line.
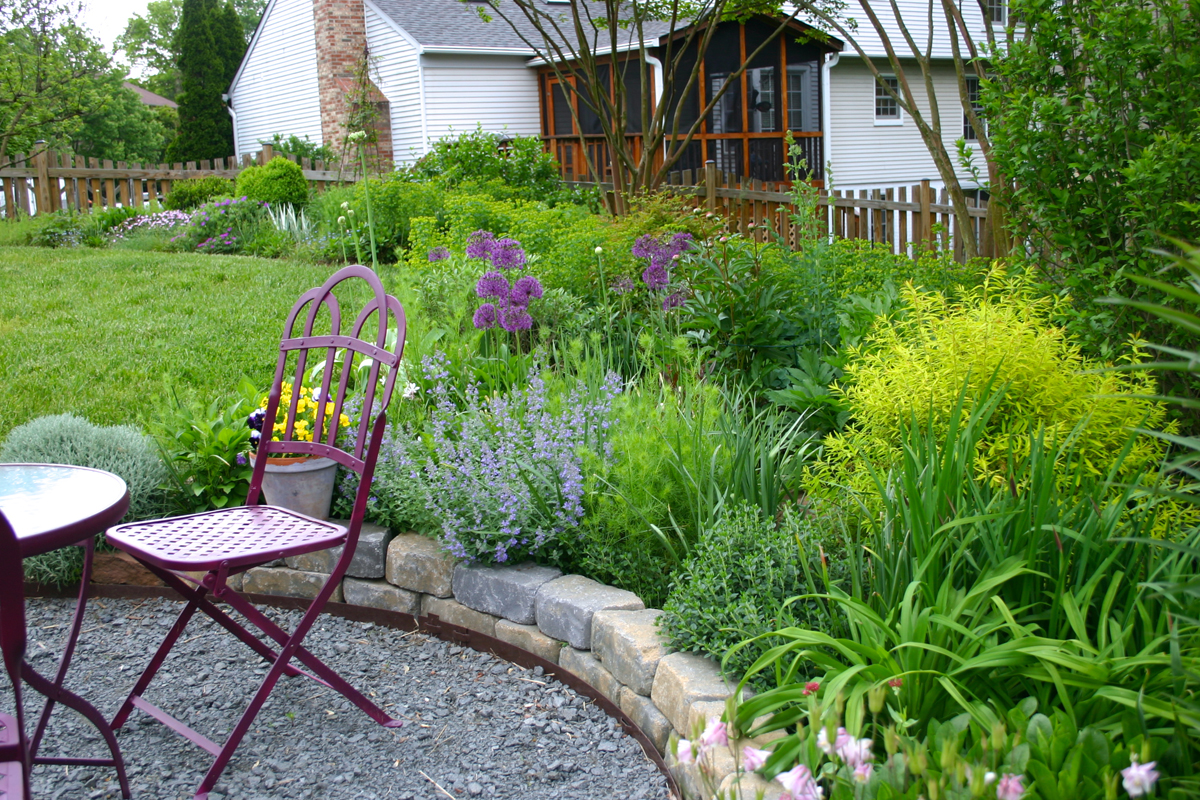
point(498, 92)
point(868, 156)
point(396, 70)
point(916, 17)
point(277, 89)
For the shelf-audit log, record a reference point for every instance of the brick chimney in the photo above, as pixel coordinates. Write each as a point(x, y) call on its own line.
point(341, 34)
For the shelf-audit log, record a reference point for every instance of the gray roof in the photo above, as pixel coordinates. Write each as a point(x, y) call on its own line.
point(454, 24)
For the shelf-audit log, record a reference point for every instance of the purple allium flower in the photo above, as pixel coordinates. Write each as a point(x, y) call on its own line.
point(485, 316)
point(507, 254)
point(515, 318)
point(525, 289)
point(656, 277)
point(439, 254)
point(623, 285)
point(673, 300)
point(480, 244)
point(646, 246)
point(492, 285)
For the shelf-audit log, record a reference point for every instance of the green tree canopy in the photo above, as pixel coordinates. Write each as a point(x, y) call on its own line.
point(205, 62)
point(149, 41)
point(123, 128)
point(50, 73)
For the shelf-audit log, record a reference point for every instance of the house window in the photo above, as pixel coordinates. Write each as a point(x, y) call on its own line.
point(760, 84)
point(887, 110)
point(973, 98)
point(996, 10)
point(800, 98)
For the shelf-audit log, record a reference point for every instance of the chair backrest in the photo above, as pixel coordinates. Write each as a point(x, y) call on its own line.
point(367, 430)
point(12, 602)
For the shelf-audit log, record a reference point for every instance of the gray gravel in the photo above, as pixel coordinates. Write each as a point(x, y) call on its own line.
point(475, 726)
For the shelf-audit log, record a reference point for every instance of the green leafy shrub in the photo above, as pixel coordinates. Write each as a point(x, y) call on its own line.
point(395, 201)
point(519, 163)
point(276, 182)
point(998, 335)
point(204, 448)
point(60, 229)
point(742, 580)
point(293, 145)
point(67, 439)
point(225, 226)
point(193, 192)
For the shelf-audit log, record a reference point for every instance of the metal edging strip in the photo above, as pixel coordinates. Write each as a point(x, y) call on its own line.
point(432, 625)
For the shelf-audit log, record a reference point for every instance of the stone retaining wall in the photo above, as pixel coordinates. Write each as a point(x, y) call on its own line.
point(603, 635)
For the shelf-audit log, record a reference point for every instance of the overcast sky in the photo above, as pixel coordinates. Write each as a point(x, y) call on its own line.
point(107, 18)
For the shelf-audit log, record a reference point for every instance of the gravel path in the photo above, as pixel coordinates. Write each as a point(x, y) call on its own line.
point(475, 726)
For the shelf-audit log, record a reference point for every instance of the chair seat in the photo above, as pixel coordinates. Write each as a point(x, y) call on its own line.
point(241, 536)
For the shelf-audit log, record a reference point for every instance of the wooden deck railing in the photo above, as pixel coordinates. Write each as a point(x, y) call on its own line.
point(911, 220)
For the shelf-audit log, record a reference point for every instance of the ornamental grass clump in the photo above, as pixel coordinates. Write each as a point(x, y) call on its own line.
point(506, 474)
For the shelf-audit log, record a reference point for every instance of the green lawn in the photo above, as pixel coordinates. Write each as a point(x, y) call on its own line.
point(103, 333)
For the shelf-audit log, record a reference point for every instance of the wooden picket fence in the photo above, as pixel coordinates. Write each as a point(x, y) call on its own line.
point(52, 181)
point(910, 220)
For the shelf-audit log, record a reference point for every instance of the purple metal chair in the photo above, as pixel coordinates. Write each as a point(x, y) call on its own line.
point(232, 540)
point(14, 749)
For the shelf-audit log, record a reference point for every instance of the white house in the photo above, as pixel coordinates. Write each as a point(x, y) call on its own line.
point(440, 69)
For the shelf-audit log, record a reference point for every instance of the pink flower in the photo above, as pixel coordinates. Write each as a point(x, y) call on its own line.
point(716, 734)
point(1009, 787)
point(896, 683)
point(810, 688)
point(823, 741)
point(855, 752)
point(800, 784)
point(683, 752)
point(1138, 779)
point(755, 758)
point(862, 773)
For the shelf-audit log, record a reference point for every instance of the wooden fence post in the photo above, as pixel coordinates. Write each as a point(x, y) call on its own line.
point(710, 184)
point(926, 216)
point(268, 152)
point(42, 165)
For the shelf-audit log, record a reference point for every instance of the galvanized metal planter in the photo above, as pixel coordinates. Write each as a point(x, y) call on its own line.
point(304, 485)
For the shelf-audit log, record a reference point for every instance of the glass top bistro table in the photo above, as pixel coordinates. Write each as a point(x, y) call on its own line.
point(51, 506)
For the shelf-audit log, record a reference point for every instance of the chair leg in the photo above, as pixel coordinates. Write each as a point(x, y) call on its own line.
point(323, 672)
point(156, 662)
point(290, 648)
point(199, 596)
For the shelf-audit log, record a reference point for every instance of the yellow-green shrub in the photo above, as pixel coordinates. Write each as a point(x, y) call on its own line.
point(998, 336)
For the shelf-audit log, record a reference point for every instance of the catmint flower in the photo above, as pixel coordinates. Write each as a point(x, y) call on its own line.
point(1138, 779)
point(485, 316)
point(800, 784)
point(754, 757)
point(525, 289)
point(479, 244)
point(684, 752)
point(1009, 787)
point(492, 285)
point(716, 734)
point(438, 254)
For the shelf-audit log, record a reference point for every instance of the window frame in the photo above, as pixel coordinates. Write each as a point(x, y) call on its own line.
point(885, 122)
point(969, 134)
